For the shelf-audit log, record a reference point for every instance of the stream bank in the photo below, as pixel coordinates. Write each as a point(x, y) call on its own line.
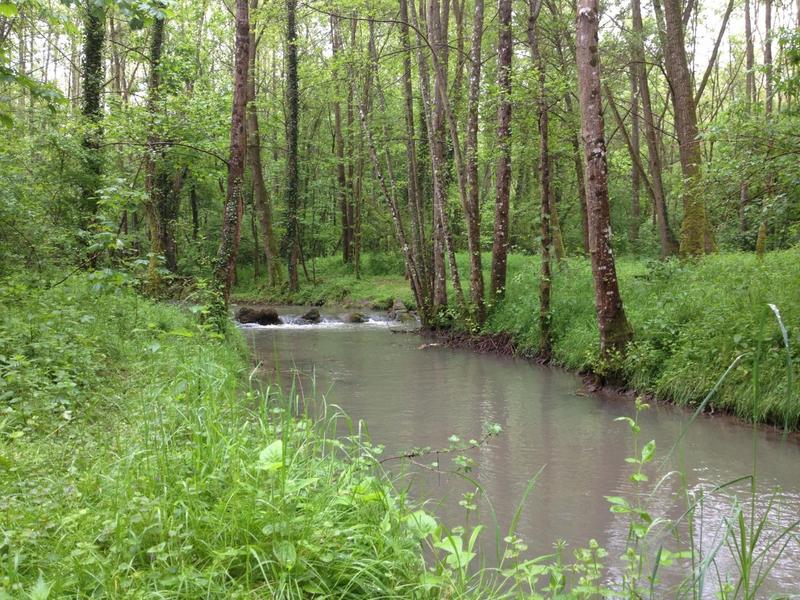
point(691, 320)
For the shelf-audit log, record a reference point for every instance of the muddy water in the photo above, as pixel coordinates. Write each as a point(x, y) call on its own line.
point(412, 397)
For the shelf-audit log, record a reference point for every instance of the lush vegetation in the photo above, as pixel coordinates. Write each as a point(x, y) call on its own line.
point(691, 321)
point(137, 460)
point(158, 154)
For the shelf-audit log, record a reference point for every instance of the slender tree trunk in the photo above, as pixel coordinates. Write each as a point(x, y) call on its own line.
point(545, 275)
point(555, 221)
point(292, 127)
point(750, 93)
point(438, 166)
point(577, 156)
point(471, 208)
point(414, 191)
point(438, 23)
point(261, 199)
point(256, 243)
point(768, 84)
point(168, 218)
point(615, 332)
point(341, 176)
point(225, 269)
point(580, 180)
point(668, 243)
point(155, 183)
point(636, 210)
point(503, 171)
point(74, 74)
point(696, 236)
point(432, 109)
point(750, 82)
point(91, 105)
point(195, 214)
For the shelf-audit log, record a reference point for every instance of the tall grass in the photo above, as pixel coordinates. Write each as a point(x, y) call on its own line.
point(169, 477)
point(137, 461)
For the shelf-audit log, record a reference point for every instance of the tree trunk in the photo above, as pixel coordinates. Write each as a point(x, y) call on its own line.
point(503, 170)
point(636, 210)
point(545, 276)
point(438, 166)
point(341, 176)
point(414, 191)
point(292, 127)
point(256, 244)
point(668, 243)
point(91, 105)
point(438, 23)
point(750, 93)
point(471, 208)
point(696, 236)
point(260, 197)
point(768, 84)
point(195, 214)
point(225, 268)
point(577, 156)
point(615, 332)
point(155, 181)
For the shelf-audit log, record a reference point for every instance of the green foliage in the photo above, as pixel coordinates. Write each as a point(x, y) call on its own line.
point(335, 283)
point(690, 320)
point(134, 464)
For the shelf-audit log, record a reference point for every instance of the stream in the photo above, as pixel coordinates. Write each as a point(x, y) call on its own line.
point(410, 396)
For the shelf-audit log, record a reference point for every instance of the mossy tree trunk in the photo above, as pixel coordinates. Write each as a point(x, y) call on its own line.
point(615, 332)
point(225, 269)
point(546, 188)
point(696, 235)
point(94, 36)
point(503, 169)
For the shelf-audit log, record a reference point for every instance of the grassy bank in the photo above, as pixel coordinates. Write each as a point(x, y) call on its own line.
point(138, 461)
point(135, 461)
point(333, 282)
point(691, 320)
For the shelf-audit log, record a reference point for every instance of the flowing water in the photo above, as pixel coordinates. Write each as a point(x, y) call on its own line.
point(410, 397)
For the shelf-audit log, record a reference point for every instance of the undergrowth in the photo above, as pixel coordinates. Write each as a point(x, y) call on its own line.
point(138, 459)
point(691, 319)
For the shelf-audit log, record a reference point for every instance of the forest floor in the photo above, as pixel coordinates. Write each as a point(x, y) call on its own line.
point(691, 320)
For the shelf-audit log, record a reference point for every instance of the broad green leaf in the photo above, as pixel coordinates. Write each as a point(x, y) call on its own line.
point(421, 524)
point(649, 451)
point(7, 10)
point(285, 553)
point(271, 457)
